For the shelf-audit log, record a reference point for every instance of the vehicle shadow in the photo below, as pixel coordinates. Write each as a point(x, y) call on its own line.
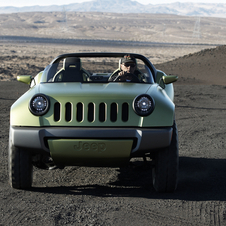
point(200, 179)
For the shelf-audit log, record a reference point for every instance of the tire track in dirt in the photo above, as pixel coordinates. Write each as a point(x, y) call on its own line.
point(15, 212)
point(204, 213)
point(188, 213)
point(158, 217)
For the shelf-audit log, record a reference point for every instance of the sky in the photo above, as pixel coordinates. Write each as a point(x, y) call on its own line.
point(21, 3)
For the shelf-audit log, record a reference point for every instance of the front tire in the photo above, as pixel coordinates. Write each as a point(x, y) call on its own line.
point(20, 167)
point(166, 165)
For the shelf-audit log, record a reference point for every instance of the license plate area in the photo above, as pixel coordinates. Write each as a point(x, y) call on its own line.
point(90, 152)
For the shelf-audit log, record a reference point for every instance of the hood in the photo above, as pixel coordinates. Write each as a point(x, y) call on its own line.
point(93, 89)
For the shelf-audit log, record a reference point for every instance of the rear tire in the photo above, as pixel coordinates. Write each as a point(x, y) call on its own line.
point(166, 165)
point(20, 167)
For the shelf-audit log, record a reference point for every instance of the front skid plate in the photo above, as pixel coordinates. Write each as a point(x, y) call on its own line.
point(90, 152)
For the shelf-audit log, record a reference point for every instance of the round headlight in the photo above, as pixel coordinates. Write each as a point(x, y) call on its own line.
point(39, 104)
point(143, 105)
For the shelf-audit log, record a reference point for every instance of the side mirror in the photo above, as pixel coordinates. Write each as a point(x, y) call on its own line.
point(167, 80)
point(25, 79)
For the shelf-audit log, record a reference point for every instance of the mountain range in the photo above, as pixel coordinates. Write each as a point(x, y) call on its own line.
point(128, 6)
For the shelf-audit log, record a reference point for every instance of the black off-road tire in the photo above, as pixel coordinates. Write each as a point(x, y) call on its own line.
point(19, 167)
point(166, 166)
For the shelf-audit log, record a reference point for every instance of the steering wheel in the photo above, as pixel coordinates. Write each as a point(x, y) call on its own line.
point(134, 78)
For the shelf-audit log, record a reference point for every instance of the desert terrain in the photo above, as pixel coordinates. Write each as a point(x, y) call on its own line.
point(123, 196)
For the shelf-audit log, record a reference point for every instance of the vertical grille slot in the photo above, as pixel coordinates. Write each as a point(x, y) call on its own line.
point(125, 112)
point(102, 112)
point(113, 112)
point(56, 112)
point(90, 112)
point(79, 112)
point(68, 112)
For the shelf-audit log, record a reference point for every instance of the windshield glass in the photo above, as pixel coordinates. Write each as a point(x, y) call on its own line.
point(99, 70)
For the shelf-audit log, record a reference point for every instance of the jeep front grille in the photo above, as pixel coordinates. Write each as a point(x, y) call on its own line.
point(91, 112)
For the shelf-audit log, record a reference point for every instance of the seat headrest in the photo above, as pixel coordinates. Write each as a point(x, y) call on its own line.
point(72, 62)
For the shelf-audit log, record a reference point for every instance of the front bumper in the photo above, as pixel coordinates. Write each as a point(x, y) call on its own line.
point(144, 140)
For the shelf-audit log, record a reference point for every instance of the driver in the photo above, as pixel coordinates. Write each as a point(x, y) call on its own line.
point(128, 66)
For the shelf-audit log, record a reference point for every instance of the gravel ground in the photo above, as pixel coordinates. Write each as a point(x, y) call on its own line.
point(116, 196)
point(125, 196)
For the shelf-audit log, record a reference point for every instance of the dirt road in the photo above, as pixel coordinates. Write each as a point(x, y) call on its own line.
point(105, 196)
point(125, 196)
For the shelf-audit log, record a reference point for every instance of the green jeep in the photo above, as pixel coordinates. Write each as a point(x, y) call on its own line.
point(95, 109)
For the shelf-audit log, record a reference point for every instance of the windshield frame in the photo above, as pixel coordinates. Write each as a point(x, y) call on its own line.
point(149, 66)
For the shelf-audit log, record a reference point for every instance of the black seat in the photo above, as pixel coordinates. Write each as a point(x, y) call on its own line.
point(72, 70)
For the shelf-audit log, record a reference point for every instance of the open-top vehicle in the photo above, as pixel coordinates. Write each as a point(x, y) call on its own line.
point(81, 111)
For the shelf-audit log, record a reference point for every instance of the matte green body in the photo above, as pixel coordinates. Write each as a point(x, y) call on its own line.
point(163, 114)
point(93, 142)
